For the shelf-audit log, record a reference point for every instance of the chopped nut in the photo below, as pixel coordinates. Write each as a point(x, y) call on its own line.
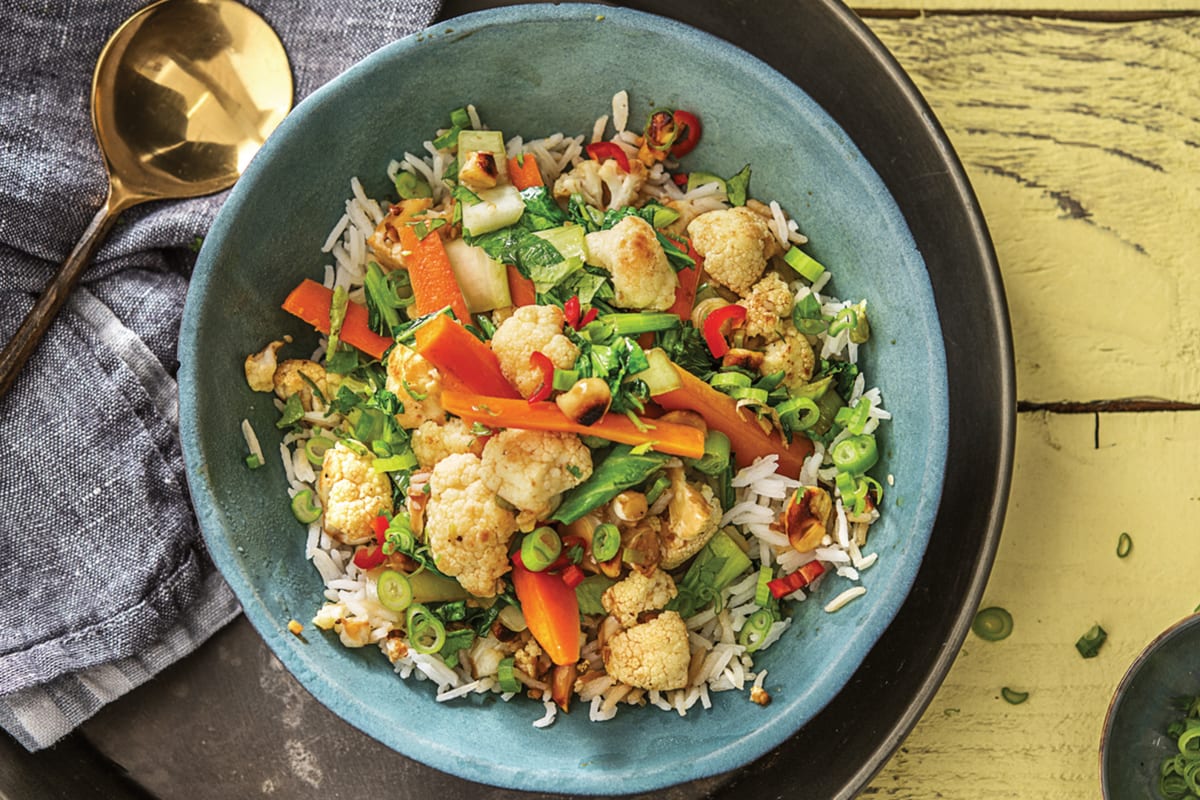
point(295, 627)
point(759, 695)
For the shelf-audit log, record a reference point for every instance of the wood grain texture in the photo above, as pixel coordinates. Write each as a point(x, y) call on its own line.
point(1047, 7)
point(1083, 143)
point(1057, 573)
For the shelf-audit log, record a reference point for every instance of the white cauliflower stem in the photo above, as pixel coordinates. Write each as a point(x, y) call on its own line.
point(637, 593)
point(531, 470)
point(532, 328)
point(467, 530)
point(653, 655)
point(642, 276)
point(735, 243)
point(352, 494)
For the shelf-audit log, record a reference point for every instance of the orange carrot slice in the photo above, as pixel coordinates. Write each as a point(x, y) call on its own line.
point(433, 282)
point(524, 172)
point(464, 362)
point(520, 287)
point(310, 301)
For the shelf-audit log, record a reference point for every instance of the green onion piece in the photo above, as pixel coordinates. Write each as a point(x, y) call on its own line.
point(504, 675)
point(1124, 545)
point(799, 413)
point(1013, 697)
point(771, 382)
point(1189, 742)
point(540, 548)
point(460, 118)
point(755, 629)
point(845, 319)
point(409, 186)
point(293, 412)
point(252, 461)
point(762, 592)
point(728, 381)
point(304, 507)
point(854, 418)
point(564, 379)
point(803, 263)
point(606, 541)
point(1089, 644)
point(426, 633)
point(749, 393)
point(855, 454)
point(992, 624)
point(337, 315)
point(656, 489)
point(717, 452)
point(400, 462)
point(394, 590)
point(635, 323)
point(847, 485)
point(315, 448)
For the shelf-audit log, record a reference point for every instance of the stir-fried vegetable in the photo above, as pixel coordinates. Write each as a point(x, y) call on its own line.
point(311, 302)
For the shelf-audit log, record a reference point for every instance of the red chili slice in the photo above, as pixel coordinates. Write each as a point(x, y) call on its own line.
point(687, 133)
point(572, 576)
point(715, 321)
point(369, 557)
point(803, 576)
point(680, 179)
point(381, 526)
point(588, 317)
point(571, 311)
point(601, 151)
point(543, 364)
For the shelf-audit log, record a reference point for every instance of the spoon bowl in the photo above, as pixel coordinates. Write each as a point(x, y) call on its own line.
point(184, 94)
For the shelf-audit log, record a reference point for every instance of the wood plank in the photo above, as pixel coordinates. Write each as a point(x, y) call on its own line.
point(1057, 573)
point(1041, 7)
point(1083, 143)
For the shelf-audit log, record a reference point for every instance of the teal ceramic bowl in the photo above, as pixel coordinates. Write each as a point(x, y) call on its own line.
point(1134, 742)
point(534, 70)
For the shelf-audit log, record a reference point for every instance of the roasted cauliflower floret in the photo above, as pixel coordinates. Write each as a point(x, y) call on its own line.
point(384, 241)
point(418, 386)
point(693, 516)
point(653, 655)
point(260, 367)
point(467, 530)
point(531, 469)
point(768, 304)
point(289, 379)
point(532, 328)
point(735, 243)
point(792, 354)
point(642, 276)
point(352, 494)
point(602, 183)
point(638, 593)
point(432, 442)
point(527, 658)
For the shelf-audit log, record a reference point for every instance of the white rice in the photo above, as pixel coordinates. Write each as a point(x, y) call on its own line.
point(620, 110)
point(845, 597)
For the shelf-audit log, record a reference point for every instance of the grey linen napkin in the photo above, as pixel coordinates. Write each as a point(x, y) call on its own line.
point(104, 579)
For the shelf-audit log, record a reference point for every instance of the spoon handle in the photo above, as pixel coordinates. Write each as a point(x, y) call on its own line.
point(38, 320)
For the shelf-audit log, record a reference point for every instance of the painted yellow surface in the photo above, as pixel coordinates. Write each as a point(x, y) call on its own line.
point(1050, 6)
point(1083, 143)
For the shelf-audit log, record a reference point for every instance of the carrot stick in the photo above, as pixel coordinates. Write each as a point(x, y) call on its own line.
point(551, 611)
point(689, 282)
point(433, 282)
point(526, 174)
point(500, 412)
point(520, 287)
point(310, 301)
point(748, 440)
point(466, 364)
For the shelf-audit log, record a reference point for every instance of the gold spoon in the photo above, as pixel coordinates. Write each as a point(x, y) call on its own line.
point(184, 94)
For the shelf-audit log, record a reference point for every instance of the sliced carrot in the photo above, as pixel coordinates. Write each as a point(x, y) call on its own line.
point(520, 287)
point(524, 172)
point(500, 412)
point(464, 362)
point(689, 282)
point(433, 282)
point(310, 301)
point(747, 438)
point(551, 611)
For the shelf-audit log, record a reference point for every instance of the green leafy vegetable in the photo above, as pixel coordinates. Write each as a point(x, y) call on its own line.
point(620, 470)
point(1089, 644)
point(713, 568)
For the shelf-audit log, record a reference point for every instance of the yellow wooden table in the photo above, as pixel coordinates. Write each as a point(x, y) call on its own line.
point(1078, 122)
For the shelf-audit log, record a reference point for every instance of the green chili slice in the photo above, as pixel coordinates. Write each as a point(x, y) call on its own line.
point(1089, 644)
point(1124, 545)
point(426, 633)
point(304, 507)
point(992, 624)
point(394, 590)
point(1013, 697)
point(541, 547)
point(606, 541)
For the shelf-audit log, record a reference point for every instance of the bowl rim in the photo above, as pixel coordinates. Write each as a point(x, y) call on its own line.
point(990, 538)
point(1177, 628)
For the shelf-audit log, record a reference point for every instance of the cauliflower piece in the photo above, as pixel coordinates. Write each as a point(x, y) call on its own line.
point(352, 494)
point(288, 381)
point(653, 655)
point(792, 354)
point(384, 241)
point(735, 243)
point(602, 183)
point(260, 367)
point(532, 328)
point(417, 384)
point(767, 304)
point(527, 658)
point(642, 276)
point(531, 469)
point(467, 530)
point(432, 442)
point(638, 593)
point(693, 516)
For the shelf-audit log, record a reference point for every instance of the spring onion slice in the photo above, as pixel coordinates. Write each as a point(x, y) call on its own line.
point(992, 624)
point(754, 630)
point(506, 677)
point(426, 633)
point(252, 461)
point(541, 547)
point(304, 507)
point(394, 590)
point(728, 381)
point(606, 541)
point(314, 449)
point(1013, 697)
point(1124, 545)
point(1089, 644)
